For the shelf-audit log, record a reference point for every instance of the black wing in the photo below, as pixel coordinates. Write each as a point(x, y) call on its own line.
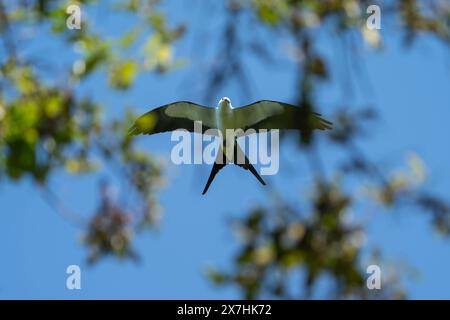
point(267, 114)
point(173, 116)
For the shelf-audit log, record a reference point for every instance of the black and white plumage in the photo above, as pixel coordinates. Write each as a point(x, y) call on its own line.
point(263, 114)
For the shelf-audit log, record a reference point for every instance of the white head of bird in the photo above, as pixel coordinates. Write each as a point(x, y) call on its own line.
point(225, 102)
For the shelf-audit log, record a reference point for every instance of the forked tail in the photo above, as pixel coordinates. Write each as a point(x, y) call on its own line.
point(221, 161)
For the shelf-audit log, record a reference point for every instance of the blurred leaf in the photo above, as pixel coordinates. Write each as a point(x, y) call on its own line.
point(122, 74)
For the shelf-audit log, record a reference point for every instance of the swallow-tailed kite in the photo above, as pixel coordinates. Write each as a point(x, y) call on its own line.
point(264, 114)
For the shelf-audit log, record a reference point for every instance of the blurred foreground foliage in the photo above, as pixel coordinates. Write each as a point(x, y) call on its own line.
point(46, 126)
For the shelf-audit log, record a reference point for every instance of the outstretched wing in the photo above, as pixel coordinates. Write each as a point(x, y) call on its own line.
point(267, 114)
point(173, 116)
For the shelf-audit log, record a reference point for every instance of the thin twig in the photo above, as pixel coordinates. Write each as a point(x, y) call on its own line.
point(55, 202)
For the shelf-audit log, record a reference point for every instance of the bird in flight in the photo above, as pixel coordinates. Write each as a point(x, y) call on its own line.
point(263, 114)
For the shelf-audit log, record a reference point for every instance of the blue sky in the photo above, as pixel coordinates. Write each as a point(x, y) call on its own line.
point(410, 88)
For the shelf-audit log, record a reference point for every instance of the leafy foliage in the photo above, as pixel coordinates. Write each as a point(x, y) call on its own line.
point(47, 126)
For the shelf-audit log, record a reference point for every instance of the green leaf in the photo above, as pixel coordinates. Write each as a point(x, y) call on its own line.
point(122, 74)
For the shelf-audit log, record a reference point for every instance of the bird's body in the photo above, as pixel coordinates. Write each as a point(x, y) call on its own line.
point(264, 114)
point(224, 121)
